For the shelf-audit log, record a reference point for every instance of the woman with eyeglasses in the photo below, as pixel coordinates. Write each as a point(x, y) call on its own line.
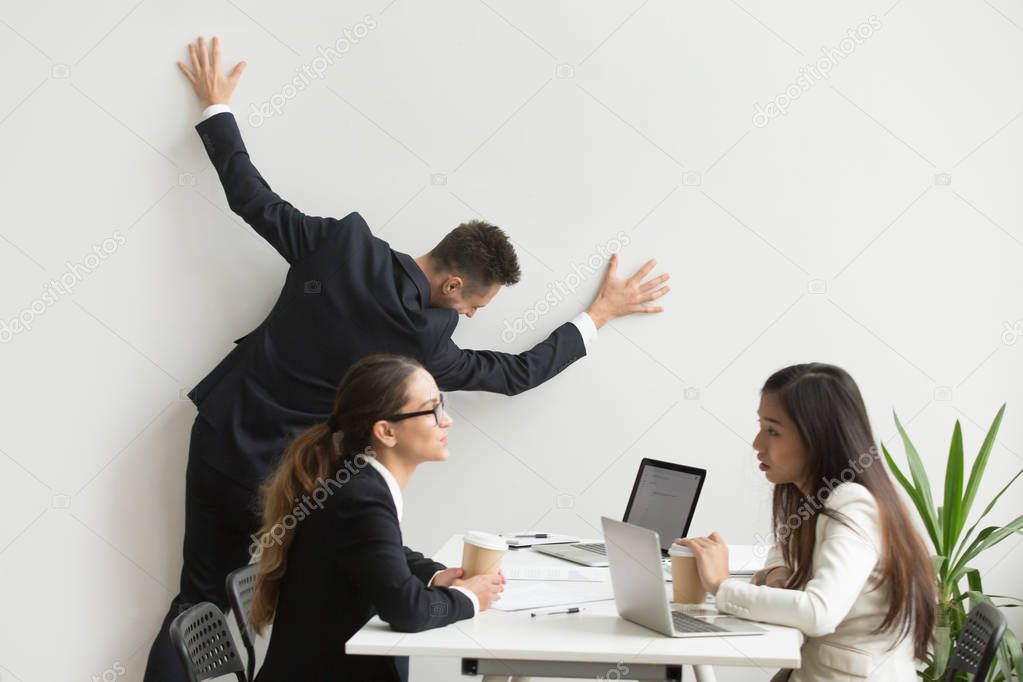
point(331, 552)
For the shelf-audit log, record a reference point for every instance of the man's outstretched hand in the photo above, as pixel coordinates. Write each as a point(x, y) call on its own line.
point(618, 297)
point(211, 86)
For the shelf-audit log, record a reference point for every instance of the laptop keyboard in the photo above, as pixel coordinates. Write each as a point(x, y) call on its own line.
point(595, 547)
point(686, 623)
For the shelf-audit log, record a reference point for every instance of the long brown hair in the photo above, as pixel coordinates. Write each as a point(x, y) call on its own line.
point(826, 406)
point(373, 387)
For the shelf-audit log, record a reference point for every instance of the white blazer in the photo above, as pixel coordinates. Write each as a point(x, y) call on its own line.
point(840, 606)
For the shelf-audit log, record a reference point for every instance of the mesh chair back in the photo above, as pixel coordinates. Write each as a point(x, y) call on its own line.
point(205, 644)
point(976, 645)
point(241, 585)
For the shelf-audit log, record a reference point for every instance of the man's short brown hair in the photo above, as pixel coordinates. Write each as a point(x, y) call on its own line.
point(478, 252)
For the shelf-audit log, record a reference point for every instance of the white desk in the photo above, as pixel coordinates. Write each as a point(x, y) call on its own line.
point(592, 643)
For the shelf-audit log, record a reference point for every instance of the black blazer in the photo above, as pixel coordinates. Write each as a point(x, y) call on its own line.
point(347, 564)
point(347, 294)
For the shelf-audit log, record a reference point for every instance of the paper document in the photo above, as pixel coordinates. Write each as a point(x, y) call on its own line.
point(521, 595)
point(557, 573)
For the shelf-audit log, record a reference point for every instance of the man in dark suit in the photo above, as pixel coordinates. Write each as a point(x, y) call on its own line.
point(346, 295)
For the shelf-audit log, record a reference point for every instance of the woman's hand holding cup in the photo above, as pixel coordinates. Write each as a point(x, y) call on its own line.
point(711, 555)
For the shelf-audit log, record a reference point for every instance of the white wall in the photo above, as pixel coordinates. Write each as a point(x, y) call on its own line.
point(822, 235)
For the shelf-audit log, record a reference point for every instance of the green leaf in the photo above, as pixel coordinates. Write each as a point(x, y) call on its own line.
point(922, 485)
point(973, 580)
point(1004, 659)
point(951, 509)
point(959, 564)
point(973, 596)
point(1014, 651)
point(988, 508)
point(942, 648)
point(980, 463)
point(988, 538)
point(914, 497)
point(1006, 596)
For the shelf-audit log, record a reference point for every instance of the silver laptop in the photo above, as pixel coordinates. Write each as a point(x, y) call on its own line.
point(663, 499)
point(638, 585)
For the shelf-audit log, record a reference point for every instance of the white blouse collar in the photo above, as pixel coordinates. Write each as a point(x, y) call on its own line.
point(392, 484)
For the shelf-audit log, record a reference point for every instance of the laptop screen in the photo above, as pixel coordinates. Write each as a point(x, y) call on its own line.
point(664, 498)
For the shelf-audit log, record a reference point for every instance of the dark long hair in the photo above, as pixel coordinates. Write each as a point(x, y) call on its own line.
point(373, 387)
point(825, 404)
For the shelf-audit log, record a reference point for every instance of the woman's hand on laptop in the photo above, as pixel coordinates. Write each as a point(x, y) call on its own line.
point(487, 588)
point(711, 555)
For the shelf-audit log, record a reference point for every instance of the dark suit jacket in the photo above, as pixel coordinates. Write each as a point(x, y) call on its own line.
point(347, 564)
point(347, 294)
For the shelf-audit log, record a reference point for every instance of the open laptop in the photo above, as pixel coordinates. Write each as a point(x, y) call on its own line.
point(638, 585)
point(663, 499)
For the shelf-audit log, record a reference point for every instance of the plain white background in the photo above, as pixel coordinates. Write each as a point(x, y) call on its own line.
point(875, 225)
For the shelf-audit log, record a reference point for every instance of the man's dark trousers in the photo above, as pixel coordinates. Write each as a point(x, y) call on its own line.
point(220, 519)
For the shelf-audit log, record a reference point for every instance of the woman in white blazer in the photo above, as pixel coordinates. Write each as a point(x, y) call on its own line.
point(846, 568)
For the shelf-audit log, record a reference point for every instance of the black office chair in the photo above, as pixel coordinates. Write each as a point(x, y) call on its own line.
point(241, 585)
point(205, 644)
point(976, 645)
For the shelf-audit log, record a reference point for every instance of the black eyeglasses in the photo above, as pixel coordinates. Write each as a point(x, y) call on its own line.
point(436, 412)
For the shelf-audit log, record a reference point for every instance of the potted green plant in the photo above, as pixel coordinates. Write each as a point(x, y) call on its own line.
point(955, 550)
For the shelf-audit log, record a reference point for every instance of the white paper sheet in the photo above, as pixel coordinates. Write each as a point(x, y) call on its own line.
point(557, 573)
point(521, 595)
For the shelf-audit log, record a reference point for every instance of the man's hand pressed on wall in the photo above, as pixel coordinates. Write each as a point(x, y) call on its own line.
point(618, 297)
point(210, 85)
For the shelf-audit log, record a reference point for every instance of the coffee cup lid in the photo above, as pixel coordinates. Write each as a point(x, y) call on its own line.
point(485, 540)
point(679, 550)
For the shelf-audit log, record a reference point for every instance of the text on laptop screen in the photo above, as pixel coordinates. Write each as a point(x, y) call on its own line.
point(663, 501)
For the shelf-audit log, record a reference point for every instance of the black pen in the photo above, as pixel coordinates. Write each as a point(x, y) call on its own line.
point(574, 609)
point(530, 535)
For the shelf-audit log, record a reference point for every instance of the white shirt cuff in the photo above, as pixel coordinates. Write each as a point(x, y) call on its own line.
point(213, 110)
point(430, 584)
point(584, 323)
point(472, 597)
